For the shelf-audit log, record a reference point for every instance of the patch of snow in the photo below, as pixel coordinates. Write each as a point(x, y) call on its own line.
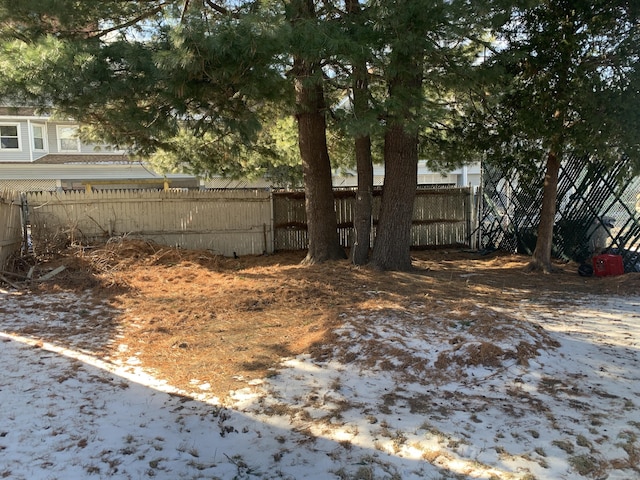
point(572, 412)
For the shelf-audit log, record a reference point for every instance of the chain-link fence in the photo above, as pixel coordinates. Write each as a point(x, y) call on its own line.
point(596, 211)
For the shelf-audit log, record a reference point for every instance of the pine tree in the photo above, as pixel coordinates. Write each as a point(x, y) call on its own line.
point(567, 82)
point(426, 57)
point(189, 83)
point(311, 111)
point(194, 83)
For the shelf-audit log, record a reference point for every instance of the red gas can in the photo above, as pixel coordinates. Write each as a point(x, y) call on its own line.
point(607, 264)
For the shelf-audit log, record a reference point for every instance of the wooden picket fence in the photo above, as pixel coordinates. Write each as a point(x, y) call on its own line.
point(442, 217)
point(225, 222)
point(10, 225)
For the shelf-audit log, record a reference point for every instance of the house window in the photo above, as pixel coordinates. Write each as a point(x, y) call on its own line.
point(68, 140)
point(9, 137)
point(38, 137)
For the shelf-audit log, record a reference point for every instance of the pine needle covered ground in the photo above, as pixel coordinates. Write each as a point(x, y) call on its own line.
point(195, 318)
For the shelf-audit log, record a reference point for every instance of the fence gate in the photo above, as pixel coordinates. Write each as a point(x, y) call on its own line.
point(596, 211)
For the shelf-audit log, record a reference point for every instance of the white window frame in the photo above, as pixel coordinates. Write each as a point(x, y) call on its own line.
point(60, 138)
point(18, 137)
point(44, 137)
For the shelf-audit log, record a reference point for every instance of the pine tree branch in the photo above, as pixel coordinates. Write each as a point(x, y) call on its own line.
point(220, 9)
point(184, 10)
point(131, 22)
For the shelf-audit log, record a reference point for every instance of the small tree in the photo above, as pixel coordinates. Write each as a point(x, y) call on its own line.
point(567, 81)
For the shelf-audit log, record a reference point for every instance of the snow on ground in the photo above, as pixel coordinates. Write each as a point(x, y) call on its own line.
point(571, 412)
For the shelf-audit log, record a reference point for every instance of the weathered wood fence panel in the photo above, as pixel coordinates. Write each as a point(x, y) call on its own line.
point(221, 221)
point(441, 217)
point(227, 221)
point(10, 225)
point(289, 221)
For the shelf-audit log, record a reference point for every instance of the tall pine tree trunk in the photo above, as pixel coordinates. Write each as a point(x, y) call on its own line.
point(392, 245)
point(391, 250)
point(541, 259)
point(364, 164)
point(322, 229)
point(364, 202)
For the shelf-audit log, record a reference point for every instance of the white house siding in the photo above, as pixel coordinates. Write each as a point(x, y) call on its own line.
point(38, 155)
point(27, 154)
point(461, 177)
point(52, 141)
point(16, 155)
point(28, 177)
point(85, 148)
point(100, 166)
point(97, 149)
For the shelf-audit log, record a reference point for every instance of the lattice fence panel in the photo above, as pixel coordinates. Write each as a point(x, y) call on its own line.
point(596, 211)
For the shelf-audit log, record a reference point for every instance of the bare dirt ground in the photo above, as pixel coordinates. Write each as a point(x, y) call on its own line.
point(192, 315)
